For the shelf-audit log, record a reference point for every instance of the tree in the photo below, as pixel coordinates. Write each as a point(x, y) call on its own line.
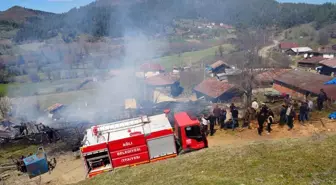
point(221, 50)
point(5, 106)
point(323, 37)
point(250, 63)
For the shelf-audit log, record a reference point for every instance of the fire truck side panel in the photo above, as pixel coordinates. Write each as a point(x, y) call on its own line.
point(93, 148)
point(130, 160)
point(126, 143)
point(128, 151)
point(161, 146)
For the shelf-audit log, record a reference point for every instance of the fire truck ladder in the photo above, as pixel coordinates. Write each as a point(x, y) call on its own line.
point(123, 124)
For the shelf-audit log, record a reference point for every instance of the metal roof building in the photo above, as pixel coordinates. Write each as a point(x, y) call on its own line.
point(298, 83)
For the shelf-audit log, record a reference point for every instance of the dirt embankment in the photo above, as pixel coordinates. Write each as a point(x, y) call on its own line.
point(71, 170)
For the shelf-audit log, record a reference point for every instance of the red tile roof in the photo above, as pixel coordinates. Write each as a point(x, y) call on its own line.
point(161, 80)
point(329, 62)
point(213, 88)
point(312, 60)
point(308, 81)
point(151, 67)
point(288, 45)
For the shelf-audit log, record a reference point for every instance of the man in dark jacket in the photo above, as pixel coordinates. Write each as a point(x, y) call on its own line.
point(222, 118)
point(303, 112)
point(320, 99)
point(212, 119)
point(234, 112)
point(262, 116)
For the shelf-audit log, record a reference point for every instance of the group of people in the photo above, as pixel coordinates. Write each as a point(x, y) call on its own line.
point(262, 114)
point(219, 116)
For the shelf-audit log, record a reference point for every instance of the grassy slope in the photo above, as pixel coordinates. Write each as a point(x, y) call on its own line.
point(16, 152)
point(190, 57)
point(300, 161)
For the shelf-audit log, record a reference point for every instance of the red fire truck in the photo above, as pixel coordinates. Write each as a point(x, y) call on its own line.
point(138, 141)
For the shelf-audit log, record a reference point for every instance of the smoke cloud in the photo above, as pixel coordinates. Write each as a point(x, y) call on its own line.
point(106, 102)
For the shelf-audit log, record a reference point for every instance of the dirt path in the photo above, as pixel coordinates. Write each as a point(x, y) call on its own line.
point(265, 50)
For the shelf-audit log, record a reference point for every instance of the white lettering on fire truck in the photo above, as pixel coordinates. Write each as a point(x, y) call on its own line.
point(128, 151)
point(130, 159)
point(127, 144)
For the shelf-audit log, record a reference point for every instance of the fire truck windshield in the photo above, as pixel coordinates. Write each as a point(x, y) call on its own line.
point(193, 132)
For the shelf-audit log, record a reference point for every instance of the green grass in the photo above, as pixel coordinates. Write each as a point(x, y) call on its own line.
point(287, 162)
point(189, 58)
point(16, 151)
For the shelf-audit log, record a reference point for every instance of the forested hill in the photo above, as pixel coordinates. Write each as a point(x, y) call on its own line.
point(102, 18)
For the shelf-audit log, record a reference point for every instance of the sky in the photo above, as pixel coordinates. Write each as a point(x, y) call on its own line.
point(60, 6)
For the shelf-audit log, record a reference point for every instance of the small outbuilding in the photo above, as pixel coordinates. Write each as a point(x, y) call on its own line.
point(284, 46)
point(328, 67)
point(215, 91)
point(299, 51)
point(310, 62)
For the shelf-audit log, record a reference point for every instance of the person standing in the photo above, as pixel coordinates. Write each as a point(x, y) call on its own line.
point(234, 113)
point(204, 124)
point(282, 120)
point(303, 112)
point(216, 112)
point(222, 118)
point(320, 99)
point(290, 117)
point(212, 119)
point(261, 117)
point(247, 118)
point(270, 121)
point(255, 107)
point(310, 108)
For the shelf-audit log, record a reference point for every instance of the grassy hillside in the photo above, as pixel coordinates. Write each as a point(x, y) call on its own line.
point(307, 35)
point(295, 161)
point(189, 58)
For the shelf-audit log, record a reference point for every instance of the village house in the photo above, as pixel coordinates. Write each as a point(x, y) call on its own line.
point(310, 62)
point(166, 81)
point(218, 67)
point(215, 91)
point(298, 51)
point(284, 46)
point(328, 67)
point(298, 83)
point(327, 52)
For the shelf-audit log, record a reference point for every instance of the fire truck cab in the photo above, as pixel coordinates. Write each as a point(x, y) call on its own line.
point(137, 141)
point(188, 133)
